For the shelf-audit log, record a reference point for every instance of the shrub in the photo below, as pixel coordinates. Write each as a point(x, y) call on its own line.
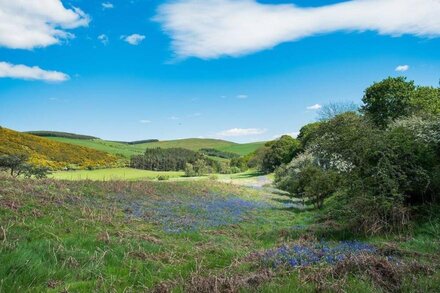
point(163, 177)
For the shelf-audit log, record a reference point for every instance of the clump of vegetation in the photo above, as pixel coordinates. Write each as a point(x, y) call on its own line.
point(218, 153)
point(17, 165)
point(43, 133)
point(163, 177)
point(55, 155)
point(380, 164)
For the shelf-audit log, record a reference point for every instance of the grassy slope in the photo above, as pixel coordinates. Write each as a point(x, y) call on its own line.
point(79, 237)
point(51, 153)
point(190, 143)
point(115, 148)
point(113, 174)
point(242, 149)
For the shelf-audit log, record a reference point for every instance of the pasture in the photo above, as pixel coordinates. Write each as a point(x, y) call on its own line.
point(113, 174)
point(192, 236)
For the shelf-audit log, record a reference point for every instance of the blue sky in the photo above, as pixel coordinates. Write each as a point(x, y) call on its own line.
point(240, 70)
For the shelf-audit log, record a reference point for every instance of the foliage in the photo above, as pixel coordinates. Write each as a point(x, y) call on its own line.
point(48, 153)
point(173, 159)
point(394, 98)
point(388, 100)
point(17, 165)
point(43, 133)
point(308, 133)
point(218, 153)
point(379, 175)
point(332, 110)
point(278, 152)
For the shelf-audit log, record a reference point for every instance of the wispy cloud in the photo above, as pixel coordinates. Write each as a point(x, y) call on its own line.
point(174, 118)
point(402, 68)
point(241, 96)
point(104, 39)
point(8, 70)
point(145, 121)
point(314, 107)
point(214, 28)
point(235, 132)
point(134, 39)
point(107, 5)
point(27, 24)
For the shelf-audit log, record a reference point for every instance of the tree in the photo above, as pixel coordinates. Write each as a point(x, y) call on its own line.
point(332, 110)
point(14, 164)
point(388, 100)
point(426, 99)
point(17, 165)
point(280, 151)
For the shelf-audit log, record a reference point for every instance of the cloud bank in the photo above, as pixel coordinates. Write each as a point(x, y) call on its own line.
point(26, 24)
point(8, 70)
point(214, 28)
point(235, 132)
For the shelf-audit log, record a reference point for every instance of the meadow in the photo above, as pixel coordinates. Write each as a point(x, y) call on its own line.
point(192, 236)
point(114, 174)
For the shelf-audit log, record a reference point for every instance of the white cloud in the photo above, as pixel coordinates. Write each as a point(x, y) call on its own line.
point(145, 121)
point(134, 39)
point(402, 68)
point(26, 24)
point(174, 118)
point(314, 107)
point(107, 5)
point(214, 28)
point(8, 70)
point(242, 96)
point(104, 39)
point(241, 132)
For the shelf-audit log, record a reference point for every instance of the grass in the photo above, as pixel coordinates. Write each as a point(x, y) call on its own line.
point(242, 149)
point(114, 148)
point(113, 174)
point(136, 236)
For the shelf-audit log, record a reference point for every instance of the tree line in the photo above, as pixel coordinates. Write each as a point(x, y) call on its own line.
point(374, 167)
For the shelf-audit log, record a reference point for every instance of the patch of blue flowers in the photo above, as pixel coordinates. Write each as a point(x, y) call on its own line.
point(177, 216)
point(319, 253)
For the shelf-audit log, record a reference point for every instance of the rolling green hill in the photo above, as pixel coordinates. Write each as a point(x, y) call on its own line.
point(242, 149)
point(54, 154)
point(127, 149)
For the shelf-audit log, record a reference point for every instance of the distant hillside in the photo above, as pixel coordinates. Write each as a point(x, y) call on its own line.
point(243, 149)
point(193, 144)
point(44, 133)
point(112, 147)
point(57, 155)
point(135, 148)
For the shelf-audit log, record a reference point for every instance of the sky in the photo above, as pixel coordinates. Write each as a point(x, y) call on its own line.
point(240, 70)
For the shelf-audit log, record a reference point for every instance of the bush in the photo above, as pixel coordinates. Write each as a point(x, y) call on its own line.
point(163, 177)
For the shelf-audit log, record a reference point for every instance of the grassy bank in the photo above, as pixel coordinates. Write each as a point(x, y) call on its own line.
point(113, 174)
point(82, 236)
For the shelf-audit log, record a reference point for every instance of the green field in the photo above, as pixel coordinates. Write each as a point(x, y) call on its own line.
point(242, 149)
point(190, 236)
point(115, 148)
point(195, 144)
point(113, 174)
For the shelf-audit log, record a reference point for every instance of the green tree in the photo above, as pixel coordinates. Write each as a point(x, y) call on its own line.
point(388, 100)
point(281, 151)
